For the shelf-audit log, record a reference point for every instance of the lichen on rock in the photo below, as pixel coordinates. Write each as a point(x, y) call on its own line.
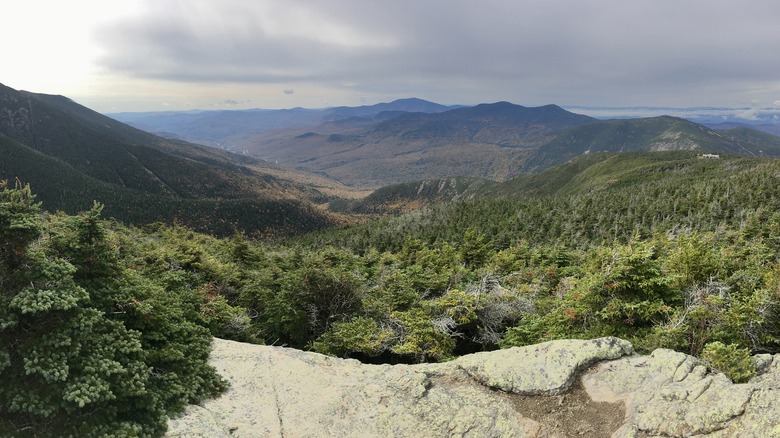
point(284, 392)
point(547, 368)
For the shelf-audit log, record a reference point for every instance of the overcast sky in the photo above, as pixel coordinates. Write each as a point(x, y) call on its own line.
point(151, 55)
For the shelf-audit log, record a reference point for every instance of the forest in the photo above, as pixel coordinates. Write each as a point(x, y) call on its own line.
point(105, 327)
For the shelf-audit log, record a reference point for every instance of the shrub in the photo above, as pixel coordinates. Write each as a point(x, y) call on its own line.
point(731, 360)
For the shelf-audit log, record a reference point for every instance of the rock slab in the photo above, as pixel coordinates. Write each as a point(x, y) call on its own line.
point(671, 394)
point(282, 392)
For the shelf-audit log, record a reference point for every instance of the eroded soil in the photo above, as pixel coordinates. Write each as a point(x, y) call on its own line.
point(571, 414)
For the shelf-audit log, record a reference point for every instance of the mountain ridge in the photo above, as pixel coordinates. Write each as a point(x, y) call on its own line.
point(76, 156)
point(492, 141)
point(585, 174)
point(450, 154)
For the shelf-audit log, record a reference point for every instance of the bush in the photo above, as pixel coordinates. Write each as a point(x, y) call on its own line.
point(359, 335)
point(731, 360)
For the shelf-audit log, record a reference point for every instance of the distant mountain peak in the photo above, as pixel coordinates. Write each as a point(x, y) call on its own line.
point(414, 100)
point(501, 103)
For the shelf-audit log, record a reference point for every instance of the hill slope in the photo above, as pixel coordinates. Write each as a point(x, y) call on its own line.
point(594, 198)
point(651, 135)
point(72, 155)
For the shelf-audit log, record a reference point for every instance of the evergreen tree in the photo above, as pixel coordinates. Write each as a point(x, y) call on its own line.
point(67, 369)
point(87, 347)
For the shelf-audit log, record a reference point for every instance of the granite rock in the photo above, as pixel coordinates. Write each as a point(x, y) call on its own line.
point(278, 392)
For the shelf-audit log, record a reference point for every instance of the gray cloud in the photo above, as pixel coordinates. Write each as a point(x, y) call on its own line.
point(608, 52)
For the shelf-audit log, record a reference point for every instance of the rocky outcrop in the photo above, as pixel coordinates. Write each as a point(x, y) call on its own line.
point(671, 394)
point(560, 388)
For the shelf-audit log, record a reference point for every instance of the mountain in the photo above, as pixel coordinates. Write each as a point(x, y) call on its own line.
point(213, 128)
point(485, 141)
point(651, 134)
point(414, 140)
point(72, 155)
point(216, 128)
point(489, 141)
point(499, 123)
point(593, 199)
point(771, 129)
point(406, 197)
point(409, 105)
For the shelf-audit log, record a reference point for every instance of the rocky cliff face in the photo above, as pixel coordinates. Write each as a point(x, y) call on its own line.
point(556, 389)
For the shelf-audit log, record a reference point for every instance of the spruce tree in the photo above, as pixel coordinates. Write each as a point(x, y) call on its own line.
point(67, 369)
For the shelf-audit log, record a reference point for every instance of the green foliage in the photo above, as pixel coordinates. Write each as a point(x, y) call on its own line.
point(87, 348)
point(476, 249)
point(472, 275)
point(358, 335)
point(663, 250)
point(420, 338)
point(299, 297)
point(19, 223)
point(431, 269)
point(224, 320)
point(731, 360)
point(666, 249)
point(595, 199)
point(624, 292)
point(395, 291)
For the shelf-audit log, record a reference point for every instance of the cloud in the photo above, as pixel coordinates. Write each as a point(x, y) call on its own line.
point(705, 114)
point(234, 40)
point(749, 114)
point(606, 52)
point(232, 102)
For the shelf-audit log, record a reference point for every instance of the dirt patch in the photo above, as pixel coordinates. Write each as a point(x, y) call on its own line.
point(571, 414)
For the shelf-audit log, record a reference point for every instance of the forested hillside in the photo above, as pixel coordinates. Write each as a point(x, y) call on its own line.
point(486, 141)
point(73, 155)
point(665, 249)
point(651, 134)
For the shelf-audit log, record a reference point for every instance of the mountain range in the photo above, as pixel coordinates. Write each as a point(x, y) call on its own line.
point(216, 128)
point(410, 139)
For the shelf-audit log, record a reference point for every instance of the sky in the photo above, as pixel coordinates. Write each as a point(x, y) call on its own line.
point(158, 55)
